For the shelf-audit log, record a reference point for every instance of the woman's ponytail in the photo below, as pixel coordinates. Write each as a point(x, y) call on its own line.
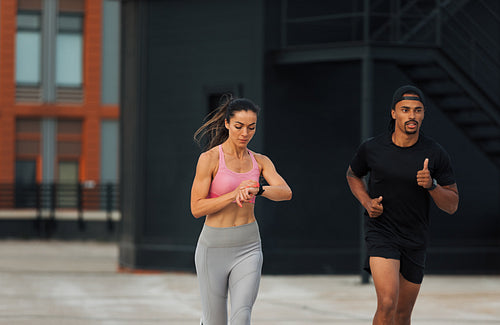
point(213, 132)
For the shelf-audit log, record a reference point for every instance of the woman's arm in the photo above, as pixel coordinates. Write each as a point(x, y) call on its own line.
point(200, 205)
point(278, 189)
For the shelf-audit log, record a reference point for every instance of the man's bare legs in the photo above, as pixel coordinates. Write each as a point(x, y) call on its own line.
point(396, 296)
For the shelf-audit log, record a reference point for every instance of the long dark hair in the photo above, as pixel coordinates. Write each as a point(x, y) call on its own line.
point(214, 129)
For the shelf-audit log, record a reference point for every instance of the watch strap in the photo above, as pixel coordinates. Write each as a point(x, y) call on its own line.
point(433, 186)
point(261, 190)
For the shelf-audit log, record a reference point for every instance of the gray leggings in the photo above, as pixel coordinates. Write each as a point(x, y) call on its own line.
point(228, 258)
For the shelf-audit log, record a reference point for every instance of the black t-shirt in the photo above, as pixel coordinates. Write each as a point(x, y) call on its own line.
point(393, 175)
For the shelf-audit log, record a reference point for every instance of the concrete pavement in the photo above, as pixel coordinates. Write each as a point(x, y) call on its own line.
point(77, 283)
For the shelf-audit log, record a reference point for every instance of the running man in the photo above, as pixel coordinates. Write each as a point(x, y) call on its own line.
point(406, 170)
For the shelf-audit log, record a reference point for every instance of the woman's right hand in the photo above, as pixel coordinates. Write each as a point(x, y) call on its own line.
point(243, 193)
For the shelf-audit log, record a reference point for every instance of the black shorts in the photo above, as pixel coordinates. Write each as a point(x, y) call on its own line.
point(412, 261)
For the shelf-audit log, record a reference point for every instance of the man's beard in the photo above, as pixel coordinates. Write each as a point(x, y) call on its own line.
point(411, 131)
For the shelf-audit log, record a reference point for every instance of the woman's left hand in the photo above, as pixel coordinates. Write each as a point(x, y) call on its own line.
point(246, 191)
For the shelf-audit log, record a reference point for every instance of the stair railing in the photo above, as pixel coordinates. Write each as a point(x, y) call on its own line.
point(473, 49)
point(449, 26)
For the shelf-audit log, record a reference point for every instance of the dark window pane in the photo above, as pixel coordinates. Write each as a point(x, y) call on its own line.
point(26, 189)
point(28, 21)
point(70, 23)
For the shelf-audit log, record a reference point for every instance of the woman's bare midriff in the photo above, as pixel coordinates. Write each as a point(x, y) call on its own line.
point(232, 216)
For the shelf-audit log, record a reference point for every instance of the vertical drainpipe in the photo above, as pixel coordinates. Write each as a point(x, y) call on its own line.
point(49, 32)
point(48, 153)
point(366, 117)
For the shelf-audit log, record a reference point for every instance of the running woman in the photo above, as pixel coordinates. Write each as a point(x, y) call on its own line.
point(228, 256)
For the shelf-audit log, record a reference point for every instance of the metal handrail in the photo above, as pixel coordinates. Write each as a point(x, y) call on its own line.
point(404, 11)
point(492, 42)
point(480, 54)
point(407, 6)
point(477, 55)
point(497, 17)
point(54, 196)
point(435, 14)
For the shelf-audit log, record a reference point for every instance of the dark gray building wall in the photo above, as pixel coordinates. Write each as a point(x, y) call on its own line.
point(309, 127)
point(132, 105)
point(312, 124)
point(188, 50)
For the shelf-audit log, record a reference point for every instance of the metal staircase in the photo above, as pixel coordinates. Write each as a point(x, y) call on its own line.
point(459, 70)
point(461, 100)
point(464, 86)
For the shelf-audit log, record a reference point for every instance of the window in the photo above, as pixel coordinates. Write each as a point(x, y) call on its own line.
point(68, 157)
point(29, 54)
point(214, 101)
point(28, 49)
point(216, 95)
point(67, 185)
point(27, 158)
point(68, 172)
point(49, 50)
point(69, 50)
point(26, 172)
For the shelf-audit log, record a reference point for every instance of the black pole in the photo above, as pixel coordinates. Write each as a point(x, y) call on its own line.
point(81, 223)
point(51, 224)
point(109, 205)
point(38, 207)
point(366, 119)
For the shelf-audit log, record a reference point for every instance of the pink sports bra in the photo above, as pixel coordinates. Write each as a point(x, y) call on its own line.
point(227, 180)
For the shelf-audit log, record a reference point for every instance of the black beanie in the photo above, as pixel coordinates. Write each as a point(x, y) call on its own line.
point(408, 89)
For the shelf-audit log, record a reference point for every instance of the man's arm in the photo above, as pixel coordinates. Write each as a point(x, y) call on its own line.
point(374, 207)
point(446, 197)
